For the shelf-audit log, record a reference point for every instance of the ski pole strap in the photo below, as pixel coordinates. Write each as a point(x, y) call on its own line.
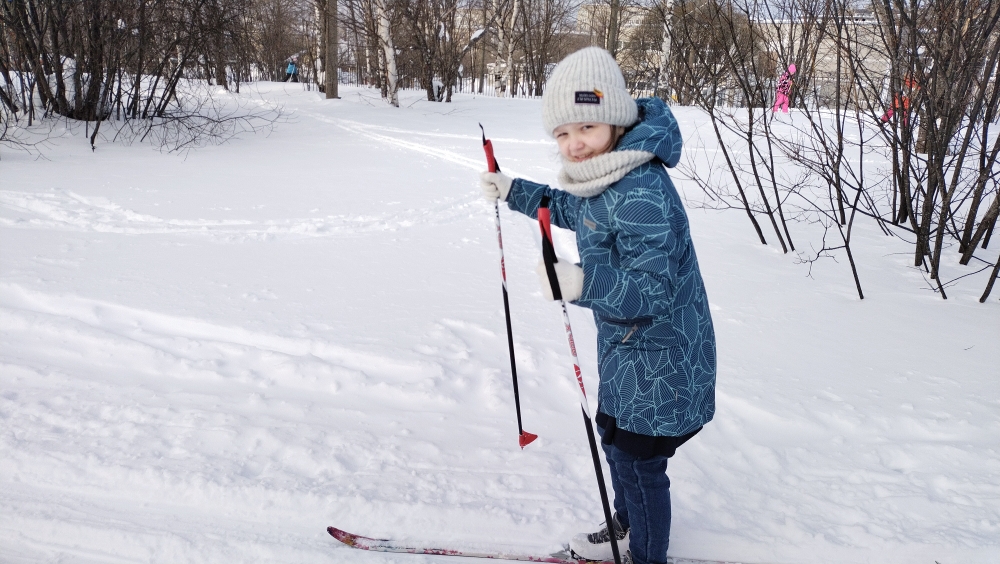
point(491, 161)
point(548, 251)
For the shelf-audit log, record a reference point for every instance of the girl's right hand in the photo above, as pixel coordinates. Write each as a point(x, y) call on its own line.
point(495, 185)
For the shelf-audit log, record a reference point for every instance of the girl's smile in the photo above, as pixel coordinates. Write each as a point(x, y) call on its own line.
point(581, 141)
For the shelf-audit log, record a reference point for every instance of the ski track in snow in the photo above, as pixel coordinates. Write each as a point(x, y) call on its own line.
point(464, 139)
point(160, 331)
point(64, 209)
point(477, 164)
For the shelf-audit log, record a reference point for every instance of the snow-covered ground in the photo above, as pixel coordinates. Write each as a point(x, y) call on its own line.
point(210, 357)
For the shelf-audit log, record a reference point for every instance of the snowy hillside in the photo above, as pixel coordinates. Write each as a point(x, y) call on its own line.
point(211, 357)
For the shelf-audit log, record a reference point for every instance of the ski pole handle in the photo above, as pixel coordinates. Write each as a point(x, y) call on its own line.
point(548, 251)
point(491, 161)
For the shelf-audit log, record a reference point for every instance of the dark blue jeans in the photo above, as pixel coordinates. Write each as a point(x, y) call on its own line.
point(642, 500)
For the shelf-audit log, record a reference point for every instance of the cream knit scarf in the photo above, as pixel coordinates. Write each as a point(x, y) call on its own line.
point(593, 176)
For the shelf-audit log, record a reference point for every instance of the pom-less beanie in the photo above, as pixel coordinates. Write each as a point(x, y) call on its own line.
point(587, 86)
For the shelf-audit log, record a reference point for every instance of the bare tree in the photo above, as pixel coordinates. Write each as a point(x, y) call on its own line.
point(904, 82)
point(507, 12)
point(545, 25)
point(275, 37)
point(100, 60)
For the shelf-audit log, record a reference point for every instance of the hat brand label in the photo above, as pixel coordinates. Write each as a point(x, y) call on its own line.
point(588, 97)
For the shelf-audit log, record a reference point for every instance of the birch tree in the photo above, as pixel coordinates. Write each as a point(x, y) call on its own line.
point(507, 43)
point(330, 54)
point(389, 49)
point(663, 86)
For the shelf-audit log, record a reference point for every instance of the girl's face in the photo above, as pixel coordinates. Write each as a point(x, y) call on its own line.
point(581, 141)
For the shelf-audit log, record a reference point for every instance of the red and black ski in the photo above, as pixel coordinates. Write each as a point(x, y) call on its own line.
point(382, 545)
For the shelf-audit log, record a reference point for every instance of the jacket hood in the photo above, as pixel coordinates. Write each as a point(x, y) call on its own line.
point(656, 132)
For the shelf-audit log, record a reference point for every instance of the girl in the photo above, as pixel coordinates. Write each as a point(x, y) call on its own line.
point(784, 90)
point(639, 274)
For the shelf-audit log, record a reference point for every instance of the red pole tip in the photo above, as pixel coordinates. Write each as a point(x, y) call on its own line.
point(525, 438)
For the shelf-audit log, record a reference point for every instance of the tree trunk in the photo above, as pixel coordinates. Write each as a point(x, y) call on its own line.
point(385, 38)
point(220, 63)
point(510, 49)
point(330, 62)
point(611, 41)
point(989, 284)
point(482, 62)
point(663, 85)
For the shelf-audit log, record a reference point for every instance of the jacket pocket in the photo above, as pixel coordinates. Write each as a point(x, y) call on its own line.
point(623, 331)
point(630, 333)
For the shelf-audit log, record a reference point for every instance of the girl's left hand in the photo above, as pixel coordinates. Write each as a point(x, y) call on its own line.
point(570, 278)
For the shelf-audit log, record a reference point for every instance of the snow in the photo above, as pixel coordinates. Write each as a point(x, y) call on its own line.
point(211, 356)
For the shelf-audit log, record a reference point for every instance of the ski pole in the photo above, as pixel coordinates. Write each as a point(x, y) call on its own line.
point(549, 257)
point(523, 437)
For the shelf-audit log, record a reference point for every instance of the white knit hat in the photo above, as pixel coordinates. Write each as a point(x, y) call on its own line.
point(587, 86)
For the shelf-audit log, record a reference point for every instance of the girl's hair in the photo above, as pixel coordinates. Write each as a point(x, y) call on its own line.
point(617, 132)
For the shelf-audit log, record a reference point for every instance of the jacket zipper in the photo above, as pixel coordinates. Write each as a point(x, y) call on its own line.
point(629, 334)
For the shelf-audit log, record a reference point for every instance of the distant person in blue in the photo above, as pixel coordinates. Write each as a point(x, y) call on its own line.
point(292, 71)
point(639, 274)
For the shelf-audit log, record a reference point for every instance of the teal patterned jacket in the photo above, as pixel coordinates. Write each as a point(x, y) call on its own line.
point(656, 343)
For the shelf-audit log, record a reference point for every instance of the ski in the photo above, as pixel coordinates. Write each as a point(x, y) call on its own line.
point(383, 545)
point(564, 557)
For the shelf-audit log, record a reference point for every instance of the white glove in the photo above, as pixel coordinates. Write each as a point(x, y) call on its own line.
point(495, 185)
point(570, 278)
